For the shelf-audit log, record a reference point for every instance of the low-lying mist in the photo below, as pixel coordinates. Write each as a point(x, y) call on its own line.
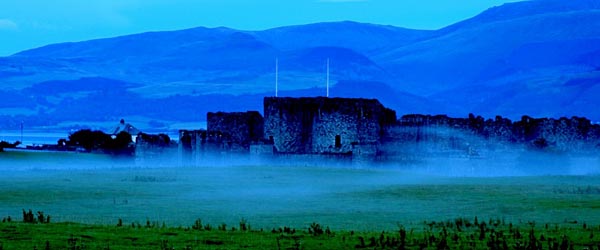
point(273, 191)
point(411, 159)
point(526, 163)
point(444, 151)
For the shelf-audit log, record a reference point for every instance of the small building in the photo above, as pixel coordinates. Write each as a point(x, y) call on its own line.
point(126, 127)
point(323, 125)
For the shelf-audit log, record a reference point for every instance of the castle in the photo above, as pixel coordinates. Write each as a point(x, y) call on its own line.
point(325, 125)
point(332, 126)
point(365, 129)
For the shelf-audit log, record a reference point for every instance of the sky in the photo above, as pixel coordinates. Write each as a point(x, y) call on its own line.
point(26, 24)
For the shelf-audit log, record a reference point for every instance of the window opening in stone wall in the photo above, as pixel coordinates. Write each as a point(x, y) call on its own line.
point(338, 141)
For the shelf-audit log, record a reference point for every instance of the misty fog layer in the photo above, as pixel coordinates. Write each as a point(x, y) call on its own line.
point(443, 151)
point(441, 164)
point(290, 191)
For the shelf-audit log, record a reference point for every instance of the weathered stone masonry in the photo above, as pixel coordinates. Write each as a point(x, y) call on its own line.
point(227, 132)
point(575, 134)
point(325, 125)
point(242, 128)
point(365, 129)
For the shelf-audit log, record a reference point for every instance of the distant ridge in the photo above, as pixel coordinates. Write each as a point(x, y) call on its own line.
point(538, 58)
point(514, 10)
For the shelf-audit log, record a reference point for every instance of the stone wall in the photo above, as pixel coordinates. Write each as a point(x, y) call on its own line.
point(188, 145)
point(364, 129)
point(150, 148)
point(564, 134)
point(241, 128)
point(196, 145)
point(324, 125)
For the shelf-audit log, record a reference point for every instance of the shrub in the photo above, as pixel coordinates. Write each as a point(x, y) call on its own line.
point(197, 225)
point(243, 225)
point(315, 229)
point(28, 217)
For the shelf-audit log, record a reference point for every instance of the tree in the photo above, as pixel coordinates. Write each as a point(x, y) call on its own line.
point(89, 139)
point(4, 144)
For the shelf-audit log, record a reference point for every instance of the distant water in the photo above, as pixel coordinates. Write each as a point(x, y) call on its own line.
point(38, 137)
point(33, 137)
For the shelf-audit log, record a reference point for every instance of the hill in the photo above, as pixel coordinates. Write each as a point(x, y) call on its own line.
point(539, 58)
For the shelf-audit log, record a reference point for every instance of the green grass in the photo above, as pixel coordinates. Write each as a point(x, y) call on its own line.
point(358, 199)
point(86, 199)
point(452, 234)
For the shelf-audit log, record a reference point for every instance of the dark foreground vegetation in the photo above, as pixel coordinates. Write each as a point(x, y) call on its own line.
point(101, 142)
point(5, 144)
point(461, 233)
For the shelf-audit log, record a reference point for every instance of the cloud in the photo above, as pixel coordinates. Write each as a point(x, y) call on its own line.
point(6, 24)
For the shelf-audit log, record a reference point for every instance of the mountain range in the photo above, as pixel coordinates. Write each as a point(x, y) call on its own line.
point(539, 58)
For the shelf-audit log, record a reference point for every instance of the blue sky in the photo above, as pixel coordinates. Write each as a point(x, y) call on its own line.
point(27, 24)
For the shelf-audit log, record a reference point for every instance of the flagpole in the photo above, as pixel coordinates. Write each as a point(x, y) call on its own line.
point(276, 76)
point(327, 77)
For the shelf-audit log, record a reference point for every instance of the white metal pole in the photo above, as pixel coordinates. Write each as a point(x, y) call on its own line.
point(327, 77)
point(276, 75)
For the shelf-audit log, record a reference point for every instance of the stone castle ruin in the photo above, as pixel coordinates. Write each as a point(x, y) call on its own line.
point(226, 132)
point(364, 128)
point(564, 134)
point(325, 125)
point(241, 128)
point(416, 137)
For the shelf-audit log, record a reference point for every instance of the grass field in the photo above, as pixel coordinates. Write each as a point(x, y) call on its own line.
point(344, 199)
point(460, 233)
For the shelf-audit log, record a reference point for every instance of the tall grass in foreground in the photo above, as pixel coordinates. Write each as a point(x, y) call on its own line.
point(459, 233)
